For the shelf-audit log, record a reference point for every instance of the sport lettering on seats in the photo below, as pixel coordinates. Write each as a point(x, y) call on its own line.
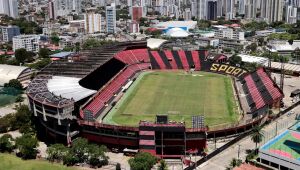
point(227, 69)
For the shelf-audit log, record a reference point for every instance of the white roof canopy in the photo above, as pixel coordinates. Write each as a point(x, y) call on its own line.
point(68, 87)
point(8, 72)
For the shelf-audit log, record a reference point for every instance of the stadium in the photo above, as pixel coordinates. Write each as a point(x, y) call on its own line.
point(164, 102)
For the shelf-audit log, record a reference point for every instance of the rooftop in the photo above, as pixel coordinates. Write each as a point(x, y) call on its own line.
point(61, 54)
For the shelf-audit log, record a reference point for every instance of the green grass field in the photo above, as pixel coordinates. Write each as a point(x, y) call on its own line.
point(6, 99)
point(11, 162)
point(178, 94)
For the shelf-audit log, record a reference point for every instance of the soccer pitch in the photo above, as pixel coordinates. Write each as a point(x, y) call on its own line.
point(178, 94)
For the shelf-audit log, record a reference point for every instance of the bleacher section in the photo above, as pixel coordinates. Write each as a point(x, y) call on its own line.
point(90, 60)
point(133, 56)
point(106, 94)
point(177, 59)
point(260, 90)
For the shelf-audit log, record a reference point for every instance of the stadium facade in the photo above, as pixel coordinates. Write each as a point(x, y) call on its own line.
point(93, 80)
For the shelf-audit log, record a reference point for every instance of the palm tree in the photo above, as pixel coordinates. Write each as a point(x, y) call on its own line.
point(234, 163)
point(163, 165)
point(256, 135)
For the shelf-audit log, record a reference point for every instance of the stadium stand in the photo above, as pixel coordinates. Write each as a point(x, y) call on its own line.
point(176, 59)
point(183, 59)
point(104, 96)
point(260, 89)
point(133, 56)
point(170, 58)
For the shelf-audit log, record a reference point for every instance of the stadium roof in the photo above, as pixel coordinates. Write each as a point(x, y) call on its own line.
point(180, 24)
point(284, 45)
point(8, 72)
point(287, 66)
point(61, 55)
point(155, 43)
point(177, 33)
point(68, 87)
point(253, 59)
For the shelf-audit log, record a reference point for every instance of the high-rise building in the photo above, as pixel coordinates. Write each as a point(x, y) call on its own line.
point(228, 6)
point(92, 22)
point(250, 9)
point(290, 14)
point(241, 10)
point(136, 13)
point(28, 42)
point(51, 12)
point(111, 18)
point(202, 9)
point(271, 10)
point(212, 7)
point(9, 7)
point(219, 8)
point(8, 32)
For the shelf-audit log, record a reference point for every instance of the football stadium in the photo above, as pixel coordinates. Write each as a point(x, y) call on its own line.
point(160, 101)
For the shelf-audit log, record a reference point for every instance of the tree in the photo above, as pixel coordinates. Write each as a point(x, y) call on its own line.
point(118, 166)
point(261, 41)
point(56, 152)
point(77, 47)
point(256, 135)
point(252, 47)
point(27, 146)
point(22, 120)
point(6, 143)
point(70, 159)
point(80, 148)
point(163, 165)
point(142, 161)
point(55, 39)
point(97, 157)
point(40, 64)
point(44, 53)
point(234, 163)
point(204, 24)
point(234, 60)
point(14, 83)
point(5, 124)
point(291, 41)
point(19, 98)
point(21, 55)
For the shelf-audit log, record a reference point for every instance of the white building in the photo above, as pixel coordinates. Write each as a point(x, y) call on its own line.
point(9, 7)
point(92, 22)
point(230, 33)
point(111, 18)
point(29, 42)
point(291, 14)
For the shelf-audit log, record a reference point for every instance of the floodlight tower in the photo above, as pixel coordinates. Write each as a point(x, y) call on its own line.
point(282, 73)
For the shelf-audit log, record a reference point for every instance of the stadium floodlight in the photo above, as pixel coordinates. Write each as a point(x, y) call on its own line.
point(198, 122)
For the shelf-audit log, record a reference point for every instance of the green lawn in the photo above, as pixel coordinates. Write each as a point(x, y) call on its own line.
point(179, 95)
point(6, 99)
point(11, 162)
